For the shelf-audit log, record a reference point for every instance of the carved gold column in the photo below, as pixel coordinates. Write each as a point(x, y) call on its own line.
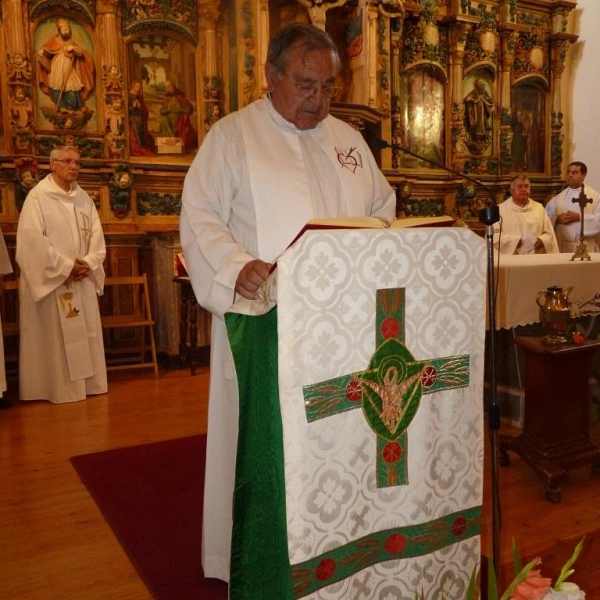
point(19, 77)
point(113, 99)
point(508, 37)
point(371, 24)
point(14, 29)
point(212, 83)
point(459, 30)
point(263, 44)
point(560, 42)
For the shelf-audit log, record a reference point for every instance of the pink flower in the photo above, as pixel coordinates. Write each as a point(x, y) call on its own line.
point(533, 587)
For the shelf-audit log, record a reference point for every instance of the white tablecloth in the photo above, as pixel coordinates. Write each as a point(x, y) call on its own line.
point(520, 278)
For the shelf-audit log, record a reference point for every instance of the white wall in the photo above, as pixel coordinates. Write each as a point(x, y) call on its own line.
point(582, 140)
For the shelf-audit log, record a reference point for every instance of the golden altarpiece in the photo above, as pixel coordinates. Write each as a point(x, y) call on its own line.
point(476, 86)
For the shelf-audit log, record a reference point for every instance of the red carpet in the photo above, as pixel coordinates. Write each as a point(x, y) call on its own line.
point(151, 496)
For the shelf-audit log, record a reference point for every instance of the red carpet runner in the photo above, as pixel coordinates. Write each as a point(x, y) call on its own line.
point(151, 496)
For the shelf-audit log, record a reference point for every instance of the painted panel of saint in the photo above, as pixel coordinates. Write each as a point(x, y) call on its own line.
point(162, 101)
point(528, 128)
point(422, 117)
point(65, 75)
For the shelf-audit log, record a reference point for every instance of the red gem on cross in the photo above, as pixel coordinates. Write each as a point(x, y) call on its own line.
point(459, 526)
point(391, 452)
point(428, 376)
point(390, 328)
point(354, 391)
point(325, 569)
point(395, 543)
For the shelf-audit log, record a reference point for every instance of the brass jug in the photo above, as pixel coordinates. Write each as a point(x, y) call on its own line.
point(555, 313)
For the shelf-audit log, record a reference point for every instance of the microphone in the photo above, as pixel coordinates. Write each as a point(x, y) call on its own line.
point(488, 215)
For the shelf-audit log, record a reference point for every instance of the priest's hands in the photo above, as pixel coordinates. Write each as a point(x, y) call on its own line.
point(80, 270)
point(568, 217)
point(251, 277)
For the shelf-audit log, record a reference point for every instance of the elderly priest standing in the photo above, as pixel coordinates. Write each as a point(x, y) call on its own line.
point(524, 227)
point(259, 176)
point(60, 250)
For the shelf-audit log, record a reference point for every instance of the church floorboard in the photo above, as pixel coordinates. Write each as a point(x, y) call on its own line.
point(43, 555)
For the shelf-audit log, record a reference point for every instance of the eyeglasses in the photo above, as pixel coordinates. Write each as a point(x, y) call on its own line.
point(306, 90)
point(69, 162)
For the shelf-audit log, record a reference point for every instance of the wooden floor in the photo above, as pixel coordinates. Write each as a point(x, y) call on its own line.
point(54, 543)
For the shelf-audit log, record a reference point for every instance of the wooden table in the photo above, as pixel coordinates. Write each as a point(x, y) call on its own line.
point(189, 352)
point(555, 435)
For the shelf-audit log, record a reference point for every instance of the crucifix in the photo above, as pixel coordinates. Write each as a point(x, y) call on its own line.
point(389, 390)
point(581, 252)
point(317, 10)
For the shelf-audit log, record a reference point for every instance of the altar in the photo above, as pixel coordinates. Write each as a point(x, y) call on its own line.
point(520, 278)
point(518, 281)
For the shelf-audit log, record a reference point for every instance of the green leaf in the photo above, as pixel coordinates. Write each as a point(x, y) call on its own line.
point(519, 578)
point(516, 557)
point(472, 589)
point(566, 571)
point(492, 584)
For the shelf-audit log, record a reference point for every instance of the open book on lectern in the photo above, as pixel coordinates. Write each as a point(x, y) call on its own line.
point(370, 223)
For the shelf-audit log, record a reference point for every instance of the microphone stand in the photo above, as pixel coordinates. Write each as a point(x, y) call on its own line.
point(488, 216)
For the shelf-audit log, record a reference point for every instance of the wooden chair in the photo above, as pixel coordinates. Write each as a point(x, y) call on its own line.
point(130, 313)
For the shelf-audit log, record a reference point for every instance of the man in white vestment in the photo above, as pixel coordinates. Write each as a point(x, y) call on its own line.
point(524, 227)
point(60, 250)
point(5, 269)
point(565, 212)
point(259, 176)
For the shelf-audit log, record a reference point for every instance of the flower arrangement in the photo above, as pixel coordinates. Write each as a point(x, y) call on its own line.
point(529, 584)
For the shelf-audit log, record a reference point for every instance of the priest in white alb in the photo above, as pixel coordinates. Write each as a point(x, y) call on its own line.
point(564, 211)
point(259, 176)
point(524, 226)
point(60, 251)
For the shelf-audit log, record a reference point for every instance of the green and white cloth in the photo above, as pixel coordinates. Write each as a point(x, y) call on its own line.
point(360, 452)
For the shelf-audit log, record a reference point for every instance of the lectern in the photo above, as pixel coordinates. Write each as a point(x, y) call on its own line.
point(360, 452)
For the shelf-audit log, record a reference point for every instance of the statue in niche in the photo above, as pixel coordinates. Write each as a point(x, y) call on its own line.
point(317, 10)
point(66, 75)
point(479, 106)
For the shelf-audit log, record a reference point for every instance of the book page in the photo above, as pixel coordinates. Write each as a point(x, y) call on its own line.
point(445, 220)
point(348, 222)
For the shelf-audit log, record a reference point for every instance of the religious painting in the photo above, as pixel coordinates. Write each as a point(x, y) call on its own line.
point(421, 115)
point(478, 103)
point(66, 78)
point(528, 124)
point(162, 104)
